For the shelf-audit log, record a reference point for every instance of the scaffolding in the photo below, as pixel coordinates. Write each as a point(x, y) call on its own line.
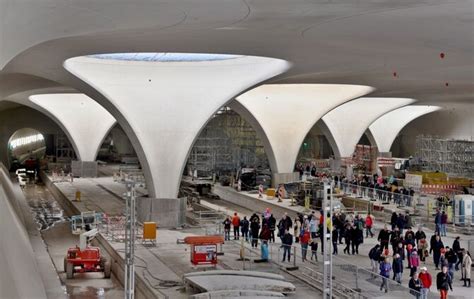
point(454, 157)
point(64, 150)
point(227, 143)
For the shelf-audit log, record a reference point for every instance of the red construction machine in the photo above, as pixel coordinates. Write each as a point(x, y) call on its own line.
point(85, 258)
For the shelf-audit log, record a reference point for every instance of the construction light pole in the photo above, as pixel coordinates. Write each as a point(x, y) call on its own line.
point(130, 224)
point(327, 238)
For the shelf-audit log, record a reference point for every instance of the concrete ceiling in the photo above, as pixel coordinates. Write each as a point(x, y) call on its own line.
point(342, 41)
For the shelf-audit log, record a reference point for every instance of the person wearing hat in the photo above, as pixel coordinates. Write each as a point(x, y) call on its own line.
point(426, 281)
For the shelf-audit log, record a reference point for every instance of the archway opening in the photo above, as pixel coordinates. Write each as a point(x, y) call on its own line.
point(228, 147)
point(26, 148)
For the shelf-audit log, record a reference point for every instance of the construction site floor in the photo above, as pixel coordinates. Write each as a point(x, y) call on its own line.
point(161, 267)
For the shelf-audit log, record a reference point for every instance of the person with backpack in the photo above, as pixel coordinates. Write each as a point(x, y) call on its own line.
point(443, 283)
point(385, 268)
point(415, 285)
point(244, 224)
point(374, 255)
point(426, 281)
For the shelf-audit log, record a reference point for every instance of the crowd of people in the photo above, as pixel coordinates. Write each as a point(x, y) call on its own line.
point(397, 247)
point(413, 249)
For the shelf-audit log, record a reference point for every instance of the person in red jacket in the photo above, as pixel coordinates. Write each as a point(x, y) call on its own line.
point(426, 281)
point(304, 241)
point(369, 222)
point(236, 225)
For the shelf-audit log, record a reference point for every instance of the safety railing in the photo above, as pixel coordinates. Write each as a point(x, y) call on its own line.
point(374, 194)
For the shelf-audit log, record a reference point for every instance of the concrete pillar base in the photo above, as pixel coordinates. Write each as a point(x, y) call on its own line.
point(166, 212)
point(282, 178)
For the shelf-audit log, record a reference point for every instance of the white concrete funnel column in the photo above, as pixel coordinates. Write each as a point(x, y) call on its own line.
point(348, 122)
point(386, 128)
point(166, 99)
point(87, 122)
point(283, 114)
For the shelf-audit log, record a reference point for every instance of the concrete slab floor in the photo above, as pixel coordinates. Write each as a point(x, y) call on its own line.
point(168, 261)
point(58, 238)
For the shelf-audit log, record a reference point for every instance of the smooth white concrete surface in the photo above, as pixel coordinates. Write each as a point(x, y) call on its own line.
point(87, 122)
point(349, 121)
point(166, 104)
point(283, 114)
point(386, 128)
point(19, 276)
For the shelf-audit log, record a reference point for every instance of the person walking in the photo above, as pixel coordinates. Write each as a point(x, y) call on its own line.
point(452, 258)
point(335, 235)
point(369, 222)
point(444, 223)
point(458, 251)
point(384, 237)
point(426, 281)
point(443, 283)
point(374, 256)
point(227, 224)
point(397, 266)
point(304, 241)
point(236, 225)
point(287, 242)
point(436, 247)
point(466, 268)
point(347, 238)
point(415, 286)
point(357, 238)
point(385, 269)
point(244, 224)
point(414, 262)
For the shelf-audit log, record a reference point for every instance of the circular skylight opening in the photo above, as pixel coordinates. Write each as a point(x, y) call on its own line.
point(164, 57)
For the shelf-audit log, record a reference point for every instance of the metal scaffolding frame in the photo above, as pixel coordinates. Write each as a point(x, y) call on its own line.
point(454, 157)
point(225, 144)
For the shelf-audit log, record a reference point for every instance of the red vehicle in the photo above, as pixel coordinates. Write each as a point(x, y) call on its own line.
point(87, 260)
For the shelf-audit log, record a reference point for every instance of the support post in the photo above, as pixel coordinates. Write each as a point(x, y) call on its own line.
point(327, 237)
point(130, 225)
